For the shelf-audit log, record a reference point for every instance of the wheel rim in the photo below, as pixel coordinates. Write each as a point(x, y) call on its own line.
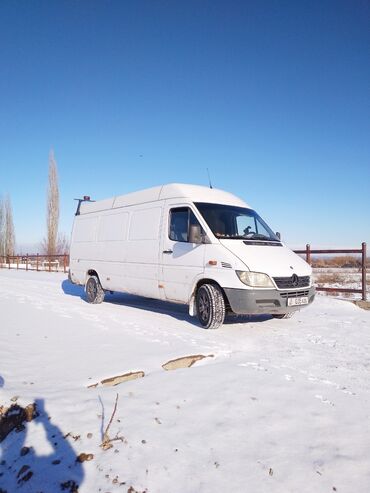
point(204, 306)
point(91, 289)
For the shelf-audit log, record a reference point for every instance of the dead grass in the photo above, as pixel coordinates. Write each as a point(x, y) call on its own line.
point(331, 278)
point(344, 261)
point(107, 441)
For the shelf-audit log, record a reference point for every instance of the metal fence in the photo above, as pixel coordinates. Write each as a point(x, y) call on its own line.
point(308, 252)
point(60, 263)
point(50, 263)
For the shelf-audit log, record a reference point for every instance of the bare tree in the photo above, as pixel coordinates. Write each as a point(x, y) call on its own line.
point(2, 229)
point(9, 235)
point(62, 244)
point(52, 220)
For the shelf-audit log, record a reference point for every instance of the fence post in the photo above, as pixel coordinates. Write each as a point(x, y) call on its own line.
point(27, 261)
point(8, 261)
point(308, 254)
point(17, 262)
point(65, 262)
point(49, 263)
point(363, 259)
point(37, 262)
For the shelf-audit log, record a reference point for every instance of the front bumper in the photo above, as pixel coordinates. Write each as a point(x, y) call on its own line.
point(255, 301)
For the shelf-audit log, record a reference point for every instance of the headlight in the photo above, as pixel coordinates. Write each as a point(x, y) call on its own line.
point(255, 279)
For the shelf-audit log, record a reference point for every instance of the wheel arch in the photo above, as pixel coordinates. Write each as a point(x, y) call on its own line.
point(91, 272)
point(197, 285)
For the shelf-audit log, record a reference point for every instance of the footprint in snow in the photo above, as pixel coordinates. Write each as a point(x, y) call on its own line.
point(252, 364)
point(324, 400)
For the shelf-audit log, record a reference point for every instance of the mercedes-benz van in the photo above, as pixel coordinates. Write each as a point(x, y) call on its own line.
point(187, 244)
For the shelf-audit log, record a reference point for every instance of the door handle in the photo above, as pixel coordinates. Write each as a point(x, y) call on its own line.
point(167, 251)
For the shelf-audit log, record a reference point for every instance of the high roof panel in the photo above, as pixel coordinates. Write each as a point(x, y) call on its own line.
point(194, 193)
point(198, 193)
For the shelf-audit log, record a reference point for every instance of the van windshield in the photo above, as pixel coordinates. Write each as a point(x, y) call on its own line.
point(231, 222)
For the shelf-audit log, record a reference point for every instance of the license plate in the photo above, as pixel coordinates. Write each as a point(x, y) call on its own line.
point(303, 300)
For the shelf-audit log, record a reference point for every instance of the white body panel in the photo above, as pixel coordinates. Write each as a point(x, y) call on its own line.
point(123, 239)
point(122, 246)
point(273, 260)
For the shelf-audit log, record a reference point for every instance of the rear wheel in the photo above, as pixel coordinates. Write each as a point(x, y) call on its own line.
point(210, 306)
point(283, 315)
point(94, 291)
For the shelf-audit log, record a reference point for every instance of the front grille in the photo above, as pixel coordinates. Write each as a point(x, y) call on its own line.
point(292, 282)
point(294, 294)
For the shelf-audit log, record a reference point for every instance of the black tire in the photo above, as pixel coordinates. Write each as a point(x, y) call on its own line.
point(94, 291)
point(283, 315)
point(210, 306)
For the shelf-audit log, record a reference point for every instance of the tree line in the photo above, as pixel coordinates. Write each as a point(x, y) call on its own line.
point(54, 243)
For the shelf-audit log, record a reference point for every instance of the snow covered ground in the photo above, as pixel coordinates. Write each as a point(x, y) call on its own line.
point(280, 406)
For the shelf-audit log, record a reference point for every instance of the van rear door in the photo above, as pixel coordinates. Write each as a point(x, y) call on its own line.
point(182, 251)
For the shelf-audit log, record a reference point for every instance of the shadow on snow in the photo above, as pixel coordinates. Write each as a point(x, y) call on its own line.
point(175, 310)
point(22, 468)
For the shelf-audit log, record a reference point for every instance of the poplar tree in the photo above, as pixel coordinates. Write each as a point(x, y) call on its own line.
point(9, 234)
point(2, 231)
point(52, 219)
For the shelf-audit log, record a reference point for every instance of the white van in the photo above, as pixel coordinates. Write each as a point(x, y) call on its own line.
point(187, 244)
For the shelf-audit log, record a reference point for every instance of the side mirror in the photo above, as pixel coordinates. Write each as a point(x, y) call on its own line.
point(278, 235)
point(205, 238)
point(195, 235)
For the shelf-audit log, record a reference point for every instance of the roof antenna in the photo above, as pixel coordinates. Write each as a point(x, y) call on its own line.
point(209, 179)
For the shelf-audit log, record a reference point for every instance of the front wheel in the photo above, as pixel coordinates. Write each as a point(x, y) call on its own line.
point(210, 306)
point(94, 291)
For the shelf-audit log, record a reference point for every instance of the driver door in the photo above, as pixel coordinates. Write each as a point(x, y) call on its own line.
point(182, 252)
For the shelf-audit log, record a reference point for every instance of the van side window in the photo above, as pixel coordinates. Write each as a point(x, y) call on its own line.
point(184, 226)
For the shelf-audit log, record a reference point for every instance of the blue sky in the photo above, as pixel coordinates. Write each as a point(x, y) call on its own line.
point(271, 96)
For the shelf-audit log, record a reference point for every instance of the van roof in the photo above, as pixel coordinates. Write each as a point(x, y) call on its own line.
point(194, 193)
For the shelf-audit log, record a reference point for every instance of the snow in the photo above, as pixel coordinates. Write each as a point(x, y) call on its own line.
point(340, 277)
point(282, 406)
